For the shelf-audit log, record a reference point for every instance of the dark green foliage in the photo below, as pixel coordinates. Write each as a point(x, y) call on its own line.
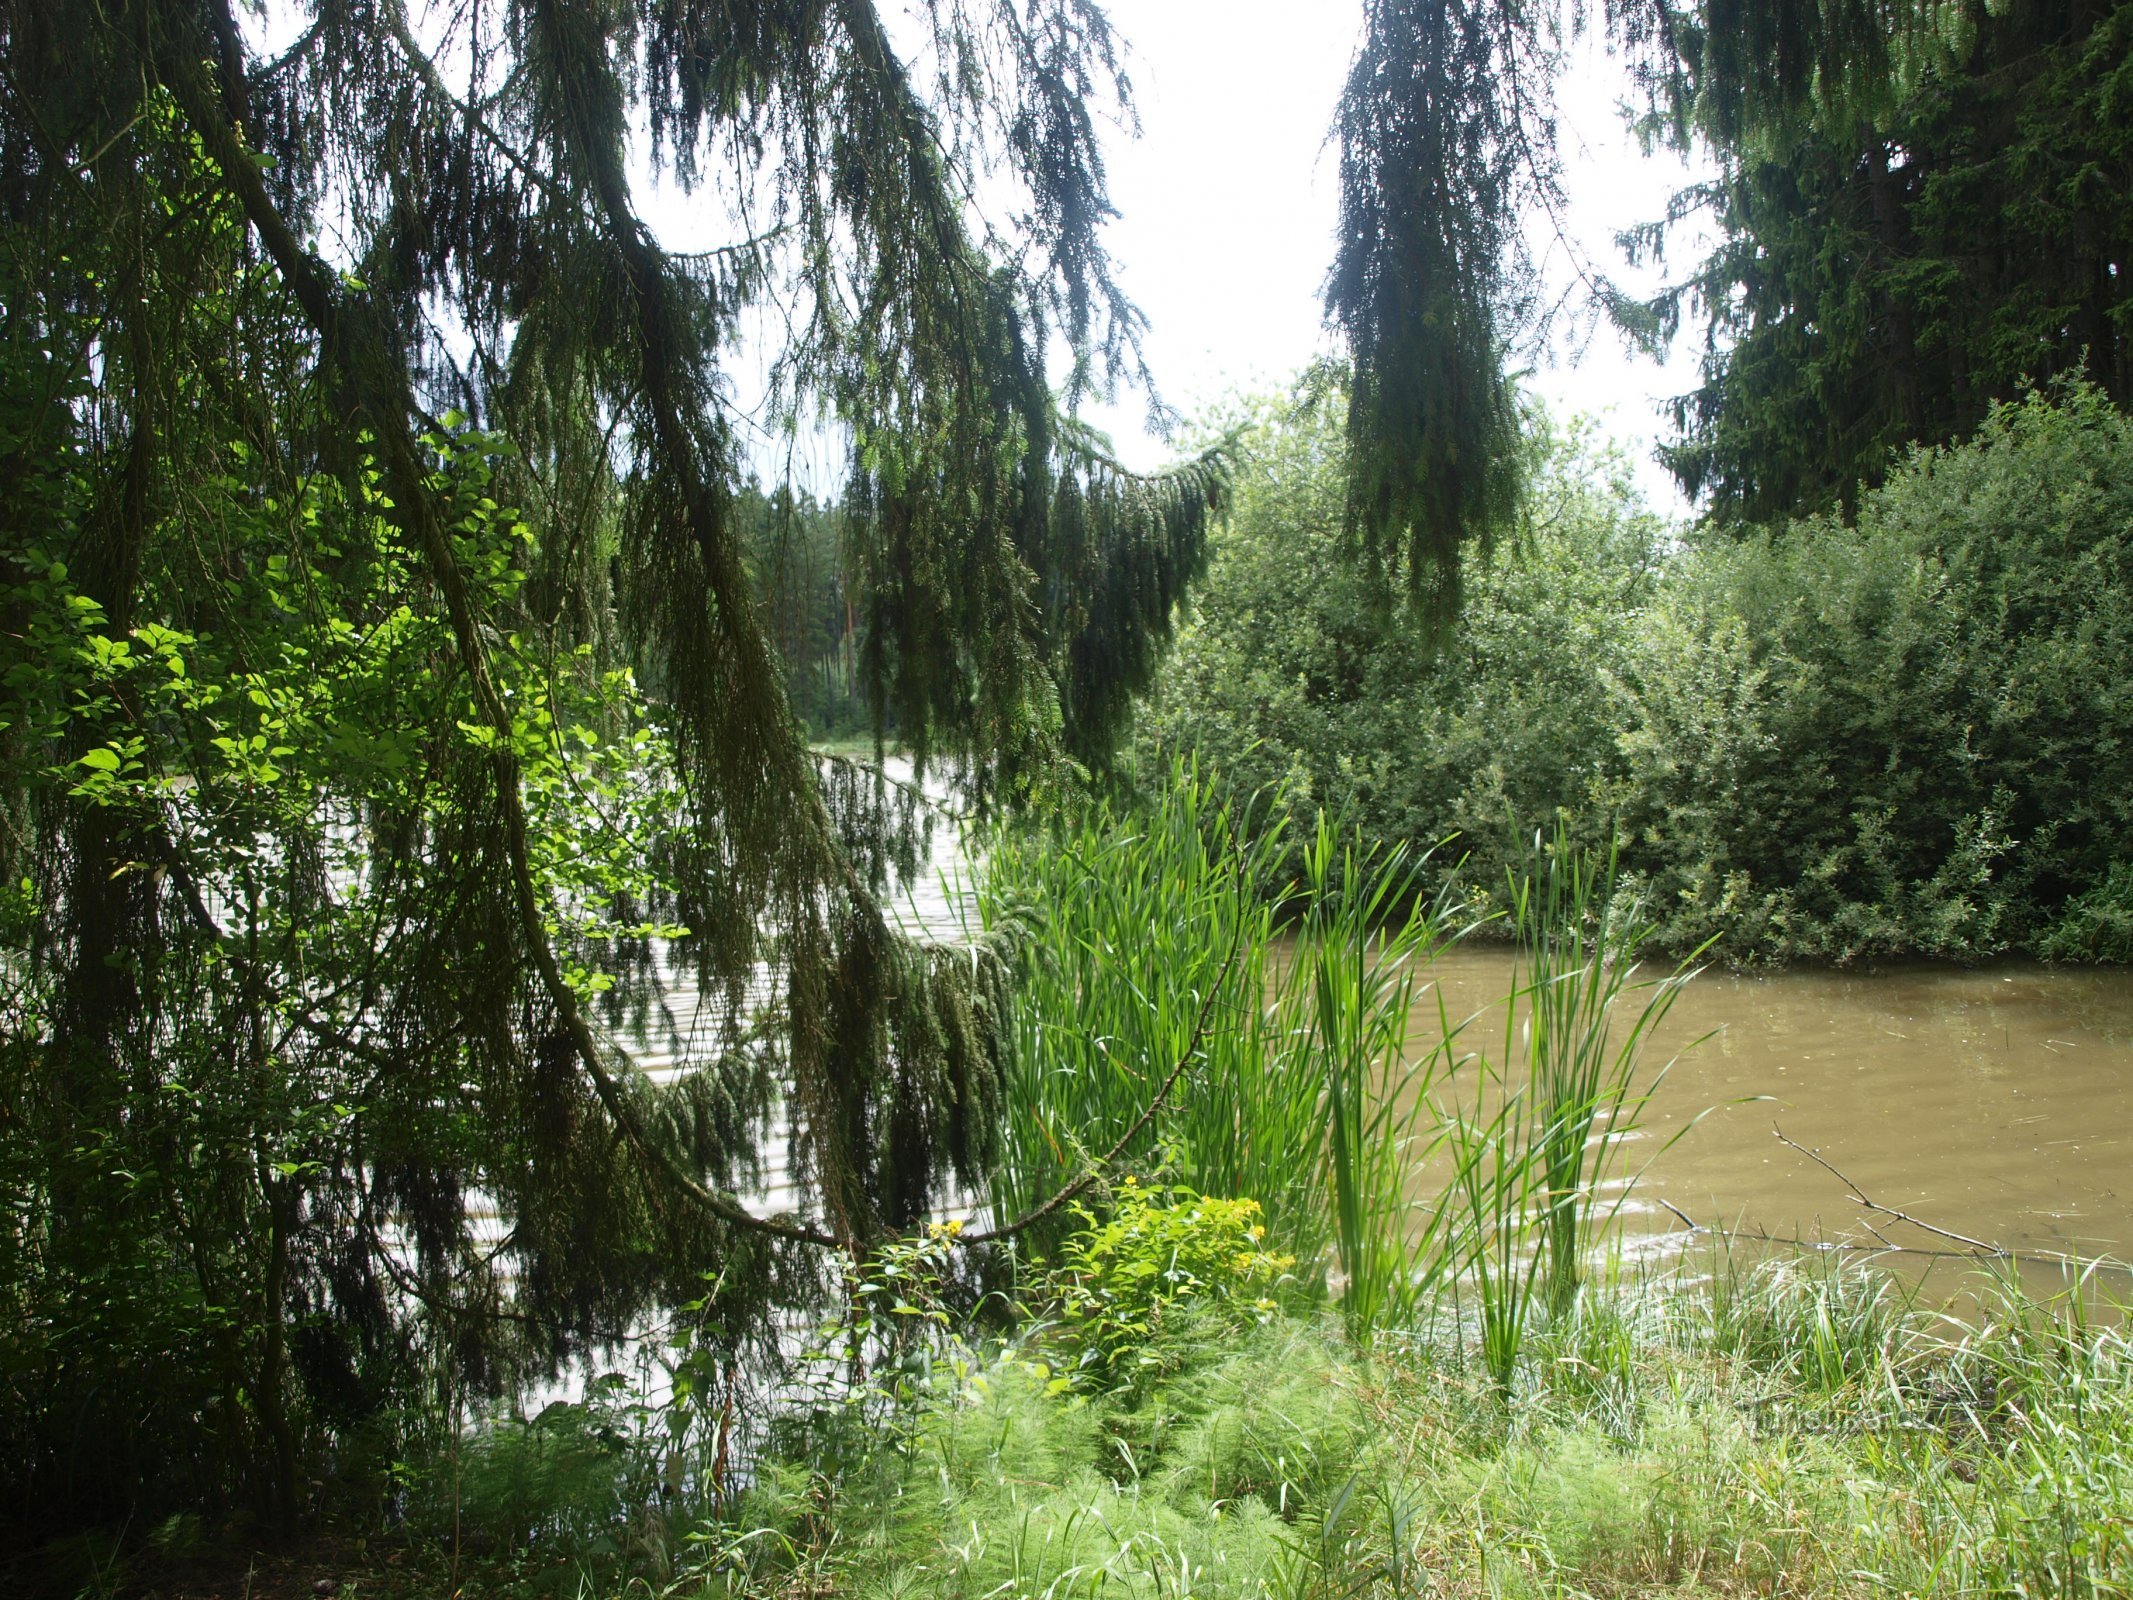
point(1306, 696)
point(559, 1481)
point(2097, 924)
point(1426, 286)
point(392, 711)
point(810, 609)
point(1906, 736)
point(1884, 278)
point(262, 1050)
point(1447, 135)
point(1757, 70)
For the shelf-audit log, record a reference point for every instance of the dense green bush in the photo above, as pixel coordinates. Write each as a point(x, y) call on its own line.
point(1293, 678)
point(1161, 1248)
point(1908, 735)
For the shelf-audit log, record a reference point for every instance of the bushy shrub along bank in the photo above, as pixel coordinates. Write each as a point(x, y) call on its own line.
point(1909, 735)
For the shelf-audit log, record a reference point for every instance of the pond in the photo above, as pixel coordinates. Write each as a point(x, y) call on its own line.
point(1995, 1102)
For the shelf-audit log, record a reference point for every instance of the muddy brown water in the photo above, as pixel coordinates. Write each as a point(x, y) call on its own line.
point(1994, 1102)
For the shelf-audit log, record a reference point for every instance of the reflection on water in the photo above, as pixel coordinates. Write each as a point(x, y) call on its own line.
point(1996, 1102)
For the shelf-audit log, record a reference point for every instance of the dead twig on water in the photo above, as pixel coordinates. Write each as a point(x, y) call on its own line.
point(1976, 1249)
point(1859, 1196)
point(1687, 1221)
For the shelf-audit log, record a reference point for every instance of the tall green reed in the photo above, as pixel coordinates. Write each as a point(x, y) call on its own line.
point(1130, 919)
point(1312, 1092)
point(1531, 1131)
point(1589, 1019)
point(1489, 1206)
point(1345, 999)
point(1300, 1098)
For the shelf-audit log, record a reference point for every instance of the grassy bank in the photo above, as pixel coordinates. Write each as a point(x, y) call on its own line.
point(1791, 1428)
point(1798, 1432)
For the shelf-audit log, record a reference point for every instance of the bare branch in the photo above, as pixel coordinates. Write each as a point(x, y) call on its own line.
point(1859, 1197)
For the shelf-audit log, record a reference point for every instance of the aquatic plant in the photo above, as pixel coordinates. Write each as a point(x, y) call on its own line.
point(1146, 930)
point(1589, 1018)
point(1529, 1130)
point(1344, 1000)
point(1150, 933)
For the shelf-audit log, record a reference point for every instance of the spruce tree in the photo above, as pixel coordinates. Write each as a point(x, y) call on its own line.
point(1883, 280)
point(388, 691)
point(1447, 136)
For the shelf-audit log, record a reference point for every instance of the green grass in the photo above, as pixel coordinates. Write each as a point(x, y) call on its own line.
point(1152, 934)
point(1662, 1440)
point(1794, 1427)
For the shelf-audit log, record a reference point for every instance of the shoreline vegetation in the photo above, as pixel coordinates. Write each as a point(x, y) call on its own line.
point(475, 1120)
point(1901, 734)
point(354, 1255)
point(1792, 1427)
point(1243, 1362)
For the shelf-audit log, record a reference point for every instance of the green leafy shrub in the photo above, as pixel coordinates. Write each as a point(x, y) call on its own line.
point(1298, 687)
point(1910, 734)
point(1161, 1250)
point(1906, 736)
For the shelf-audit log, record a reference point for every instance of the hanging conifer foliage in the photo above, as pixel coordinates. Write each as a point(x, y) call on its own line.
point(1425, 288)
point(1883, 280)
point(389, 707)
point(1447, 136)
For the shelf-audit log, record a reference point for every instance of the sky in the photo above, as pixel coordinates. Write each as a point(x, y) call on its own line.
point(1227, 206)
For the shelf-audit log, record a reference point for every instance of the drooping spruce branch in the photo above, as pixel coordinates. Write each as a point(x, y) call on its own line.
point(362, 367)
point(1447, 135)
point(1425, 288)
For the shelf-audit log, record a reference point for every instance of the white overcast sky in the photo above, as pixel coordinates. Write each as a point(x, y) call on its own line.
point(1227, 204)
